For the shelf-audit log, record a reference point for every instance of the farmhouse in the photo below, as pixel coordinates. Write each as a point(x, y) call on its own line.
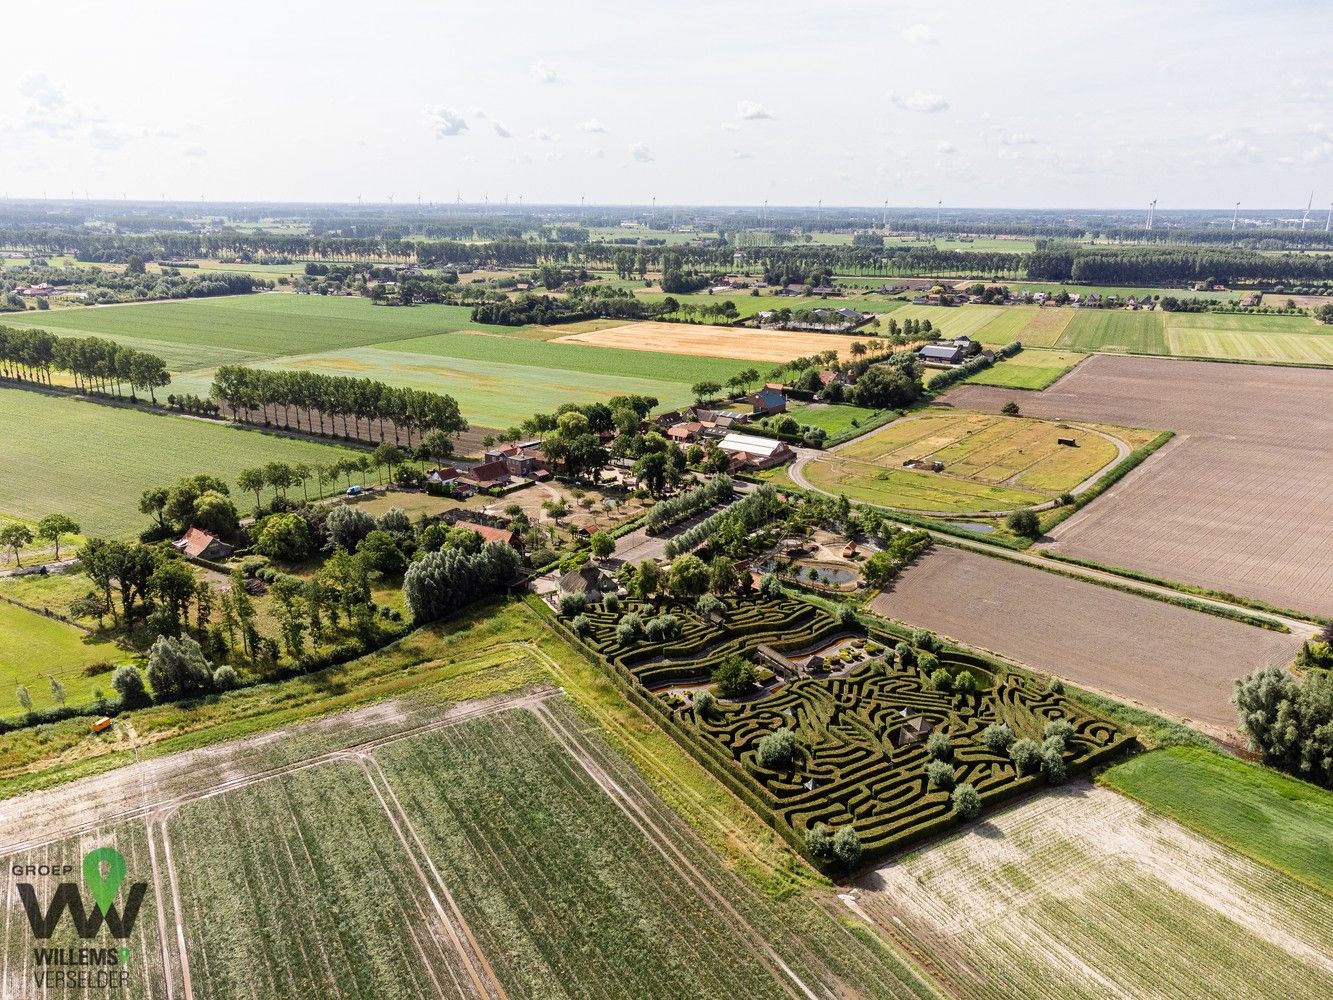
point(750, 451)
point(589, 581)
point(488, 475)
point(489, 534)
point(941, 354)
point(201, 544)
point(523, 459)
point(769, 400)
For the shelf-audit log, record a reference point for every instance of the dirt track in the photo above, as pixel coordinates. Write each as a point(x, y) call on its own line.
point(1241, 500)
point(1172, 660)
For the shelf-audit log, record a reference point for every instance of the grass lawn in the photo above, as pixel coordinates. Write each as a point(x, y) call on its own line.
point(1115, 330)
point(1028, 369)
point(248, 327)
point(921, 491)
point(953, 321)
point(831, 417)
point(34, 648)
point(1250, 337)
point(91, 461)
point(1274, 819)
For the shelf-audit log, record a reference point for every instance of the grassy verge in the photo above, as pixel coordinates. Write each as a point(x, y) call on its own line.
point(1189, 588)
point(1269, 817)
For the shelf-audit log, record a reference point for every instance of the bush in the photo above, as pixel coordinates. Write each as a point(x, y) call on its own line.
point(965, 682)
point(571, 604)
point(966, 801)
point(1026, 755)
point(847, 846)
point(382, 553)
point(1024, 523)
point(395, 521)
point(629, 629)
point(1009, 409)
point(939, 747)
point(1055, 686)
point(734, 676)
point(285, 537)
point(662, 627)
point(177, 668)
point(770, 586)
point(1060, 730)
point(128, 683)
point(818, 841)
point(1053, 764)
point(939, 775)
point(777, 750)
point(924, 640)
point(225, 678)
point(904, 655)
point(581, 625)
point(847, 616)
point(704, 703)
point(940, 679)
point(611, 604)
point(707, 604)
point(347, 526)
point(997, 737)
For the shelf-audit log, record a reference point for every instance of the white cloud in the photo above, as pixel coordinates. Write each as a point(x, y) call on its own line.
point(591, 125)
point(1230, 144)
point(738, 155)
point(945, 147)
point(478, 113)
point(39, 89)
point(921, 101)
point(445, 122)
point(640, 152)
point(502, 131)
point(730, 127)
point(752, 111)
point(597, 152)
point(543, 73)
point(194, 151)
point(541, 135)
point(1014, 139)
point(920, 34)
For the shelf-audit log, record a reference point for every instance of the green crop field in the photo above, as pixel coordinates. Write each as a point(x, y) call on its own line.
point(490, 393)
point(259, 326)
point(1265, 815)
point(34, 648)
point(952, 321)
point(990, 463)
point(1249, 337)
point(1035, 326)
point(1115, 330)
point(1028, 369)
point(92, 461)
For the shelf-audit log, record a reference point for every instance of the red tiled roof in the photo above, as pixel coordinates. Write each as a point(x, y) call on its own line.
point(195, 541)
point(487, 533)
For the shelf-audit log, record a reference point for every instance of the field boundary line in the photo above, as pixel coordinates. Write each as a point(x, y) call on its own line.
point(171, 803)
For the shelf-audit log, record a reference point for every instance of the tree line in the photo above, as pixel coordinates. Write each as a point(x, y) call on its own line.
point(97, 365)
point(244, 390)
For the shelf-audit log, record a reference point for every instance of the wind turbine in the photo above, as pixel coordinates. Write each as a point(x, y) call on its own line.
point(1233, 217)
point(1306, 216)
point(1329, 221)
point(1152, 211)
point(885, 223)
point(939, 206)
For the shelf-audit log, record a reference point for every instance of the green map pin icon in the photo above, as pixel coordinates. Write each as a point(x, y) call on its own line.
point(104, 889)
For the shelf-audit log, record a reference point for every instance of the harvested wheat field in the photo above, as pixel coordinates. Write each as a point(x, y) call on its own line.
point(1082, 893)
point(1240, 501)
point(715, 341)
point(1165, 658)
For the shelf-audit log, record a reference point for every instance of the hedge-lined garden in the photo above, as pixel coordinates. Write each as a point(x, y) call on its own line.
point(828, 760)
point(854, 764)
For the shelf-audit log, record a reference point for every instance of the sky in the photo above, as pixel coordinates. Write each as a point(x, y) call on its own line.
point(1021, 104)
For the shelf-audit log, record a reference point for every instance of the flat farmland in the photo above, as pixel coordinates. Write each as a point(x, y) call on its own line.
point(34, 648)
point(1082, 894)
point(92, 461)
point(1173, 660)
point(990, 463)
point(1241, 500)
point(489, 393)
point(259, 326)
point(1035, 326)
point(1249, 337)
point(714, 341)
point(493, 848)
point(1028, 369)
point(1137, 332)
point(953, 321)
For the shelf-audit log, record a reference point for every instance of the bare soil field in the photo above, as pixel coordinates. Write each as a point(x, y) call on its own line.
point(715, 341)
point(1082, 893)
point(1169, 659)
point(1241, 500)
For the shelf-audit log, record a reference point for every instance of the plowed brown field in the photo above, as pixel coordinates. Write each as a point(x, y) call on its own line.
point(1241, 500)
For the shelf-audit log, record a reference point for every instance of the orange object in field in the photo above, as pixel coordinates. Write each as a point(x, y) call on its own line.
point(101, 725)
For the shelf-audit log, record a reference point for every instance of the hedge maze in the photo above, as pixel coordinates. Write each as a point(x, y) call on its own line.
point(861, 745)
point(860, 737)
point(700, 644)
